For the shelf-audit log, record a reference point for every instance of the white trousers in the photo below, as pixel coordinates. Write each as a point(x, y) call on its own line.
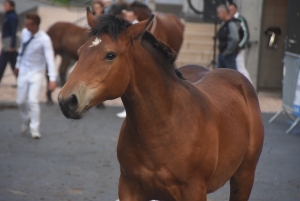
point(28, 93)
point(240, 64)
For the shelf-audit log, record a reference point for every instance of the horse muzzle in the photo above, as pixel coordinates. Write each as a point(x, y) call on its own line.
point(70, 107)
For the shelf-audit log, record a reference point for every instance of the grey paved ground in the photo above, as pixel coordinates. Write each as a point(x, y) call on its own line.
point(76, 160)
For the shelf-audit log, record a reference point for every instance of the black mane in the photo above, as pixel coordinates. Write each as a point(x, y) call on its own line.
point(115, 26)
point(111, 25)
point(164, 49)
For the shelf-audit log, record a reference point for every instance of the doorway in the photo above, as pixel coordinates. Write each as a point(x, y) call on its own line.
point(274, 18)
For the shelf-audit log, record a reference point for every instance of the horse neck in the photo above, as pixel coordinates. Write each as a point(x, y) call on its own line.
point(149, 95)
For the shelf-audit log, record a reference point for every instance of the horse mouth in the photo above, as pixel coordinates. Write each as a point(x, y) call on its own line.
point(71, 113)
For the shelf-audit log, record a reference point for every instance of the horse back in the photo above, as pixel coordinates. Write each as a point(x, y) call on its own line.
point(193, 73)
point(67, 38)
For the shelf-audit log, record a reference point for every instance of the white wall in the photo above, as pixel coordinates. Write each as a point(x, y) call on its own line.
point(197, 4)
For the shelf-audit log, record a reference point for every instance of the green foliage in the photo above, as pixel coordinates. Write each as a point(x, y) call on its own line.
point(62, 1)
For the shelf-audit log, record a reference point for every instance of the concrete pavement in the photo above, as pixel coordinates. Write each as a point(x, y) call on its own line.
point(76, 160)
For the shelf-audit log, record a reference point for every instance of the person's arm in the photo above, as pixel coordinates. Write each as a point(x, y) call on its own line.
point(49, 55)
point(18, 63)
point(233, 38)
point(13, 25)
point(245, 38)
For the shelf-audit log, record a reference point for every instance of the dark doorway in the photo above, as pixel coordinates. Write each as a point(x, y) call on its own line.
point(274, 19)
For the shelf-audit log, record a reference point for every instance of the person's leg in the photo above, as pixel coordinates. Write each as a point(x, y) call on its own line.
point(221, 61)
point(22, 94)
point(3, 63)
point(13, 60)
point(240, 64)
point(229, 61)
point(36, 82)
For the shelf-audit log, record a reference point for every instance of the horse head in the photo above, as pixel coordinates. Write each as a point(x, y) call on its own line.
point(104, 67)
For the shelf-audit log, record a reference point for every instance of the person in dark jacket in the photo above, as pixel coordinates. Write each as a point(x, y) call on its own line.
point(9, 39)
point(229, 38)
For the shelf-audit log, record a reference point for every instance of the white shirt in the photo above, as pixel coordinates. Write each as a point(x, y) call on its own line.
point(236, 15)
point(135, 21)
point(37, 53)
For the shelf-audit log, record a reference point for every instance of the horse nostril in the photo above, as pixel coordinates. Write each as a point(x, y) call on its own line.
point(73, 101)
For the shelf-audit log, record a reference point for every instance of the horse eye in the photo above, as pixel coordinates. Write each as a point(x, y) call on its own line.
point(110, 56)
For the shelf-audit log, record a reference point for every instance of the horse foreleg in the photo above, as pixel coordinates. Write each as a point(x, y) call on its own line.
point(63, 69)
point(241, 183)
point(48, 92)
point(193, 191)
point(129, 192)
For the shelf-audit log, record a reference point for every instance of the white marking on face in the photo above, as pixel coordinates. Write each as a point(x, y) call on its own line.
point(96, 42)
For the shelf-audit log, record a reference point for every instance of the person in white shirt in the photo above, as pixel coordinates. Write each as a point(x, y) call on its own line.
point(240, 59)
point(36, 51)
point(130, 16)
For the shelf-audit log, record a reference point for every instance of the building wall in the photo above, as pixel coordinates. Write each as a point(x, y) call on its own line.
point(197, 3)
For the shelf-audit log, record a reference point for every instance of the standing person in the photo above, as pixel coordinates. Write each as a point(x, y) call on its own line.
point(98, 8)
point(35, 52)
point(9, 39)
point(130, 16)
point(228, 36)
point(240, 59)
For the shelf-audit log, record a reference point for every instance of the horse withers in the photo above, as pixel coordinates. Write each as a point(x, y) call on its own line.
point(181, 139)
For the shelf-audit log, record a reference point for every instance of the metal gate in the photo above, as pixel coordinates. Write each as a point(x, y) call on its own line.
point(291, 61)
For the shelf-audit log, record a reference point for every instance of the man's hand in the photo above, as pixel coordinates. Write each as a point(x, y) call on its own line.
point(16, 71)
point(52, 86)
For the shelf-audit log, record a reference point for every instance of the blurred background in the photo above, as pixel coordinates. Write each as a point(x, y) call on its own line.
point(76, 160)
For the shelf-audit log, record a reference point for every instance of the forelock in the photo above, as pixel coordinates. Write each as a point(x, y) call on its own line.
point(109, 24)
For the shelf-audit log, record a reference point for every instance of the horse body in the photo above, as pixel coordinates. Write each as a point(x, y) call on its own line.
point(181, 139)
point(183, 148)
point(66, 38)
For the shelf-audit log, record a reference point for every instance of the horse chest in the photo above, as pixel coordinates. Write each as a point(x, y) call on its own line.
point(159, 182)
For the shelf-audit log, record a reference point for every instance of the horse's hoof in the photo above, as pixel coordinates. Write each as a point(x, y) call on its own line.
point(100, 106)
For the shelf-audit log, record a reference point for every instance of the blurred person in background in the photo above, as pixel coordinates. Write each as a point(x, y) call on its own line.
point(240, 59)
point(131, 16)
point(228, 36)
point(36, 51)
point(98, 8)
point(9, 39)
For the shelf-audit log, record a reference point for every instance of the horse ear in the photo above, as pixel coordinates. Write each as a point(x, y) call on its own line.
point(92, 20)
point(137, 30)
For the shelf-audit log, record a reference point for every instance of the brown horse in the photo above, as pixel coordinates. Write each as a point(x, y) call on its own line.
point(168, 28)
point(67, 38)
point(180, 140)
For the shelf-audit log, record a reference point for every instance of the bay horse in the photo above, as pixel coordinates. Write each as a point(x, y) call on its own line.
point(181, 139)
point(67, 38)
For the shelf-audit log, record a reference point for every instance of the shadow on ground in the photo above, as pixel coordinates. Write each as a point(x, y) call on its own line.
point(76, 160)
